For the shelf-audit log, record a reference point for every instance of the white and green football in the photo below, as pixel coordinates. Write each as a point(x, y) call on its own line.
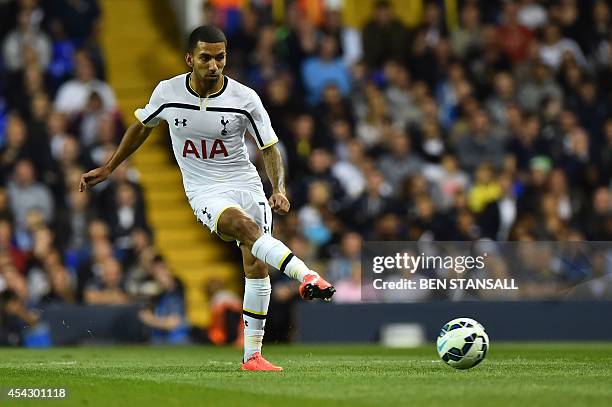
point(462, 343)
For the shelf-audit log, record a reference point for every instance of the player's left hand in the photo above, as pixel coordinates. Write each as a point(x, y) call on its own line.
point(279, 203)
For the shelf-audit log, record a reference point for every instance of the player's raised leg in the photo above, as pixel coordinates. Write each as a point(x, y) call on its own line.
point(257, 291)
point(236, 223)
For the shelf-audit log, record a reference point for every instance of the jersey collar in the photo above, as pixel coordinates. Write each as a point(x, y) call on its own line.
point(213, 95)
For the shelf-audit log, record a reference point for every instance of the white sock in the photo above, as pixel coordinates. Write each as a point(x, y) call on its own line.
point(254, 311)
point(276, 254)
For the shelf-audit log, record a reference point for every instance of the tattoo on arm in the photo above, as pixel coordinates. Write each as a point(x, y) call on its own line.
point(274, 168)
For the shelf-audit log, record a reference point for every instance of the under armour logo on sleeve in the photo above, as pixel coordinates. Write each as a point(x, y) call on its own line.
point(177, 121)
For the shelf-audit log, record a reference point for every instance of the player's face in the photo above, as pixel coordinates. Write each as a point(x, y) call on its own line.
point(208, 60)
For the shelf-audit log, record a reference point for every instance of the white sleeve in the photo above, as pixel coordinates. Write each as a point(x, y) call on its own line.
point(259, 124)
point(149, 115)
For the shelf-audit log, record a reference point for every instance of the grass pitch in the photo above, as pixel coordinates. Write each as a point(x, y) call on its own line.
point(547, 374)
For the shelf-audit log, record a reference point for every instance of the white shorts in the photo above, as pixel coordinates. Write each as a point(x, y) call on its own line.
point(208, 208)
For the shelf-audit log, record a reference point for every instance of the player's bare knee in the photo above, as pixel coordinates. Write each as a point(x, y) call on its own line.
point(257, 269)
point(246, 230)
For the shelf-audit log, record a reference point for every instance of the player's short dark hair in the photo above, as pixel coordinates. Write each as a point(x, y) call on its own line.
point(205, 33)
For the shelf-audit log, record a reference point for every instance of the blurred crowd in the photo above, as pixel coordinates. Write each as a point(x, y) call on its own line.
point(58, 119)
point(496, 124)
point(490, 122)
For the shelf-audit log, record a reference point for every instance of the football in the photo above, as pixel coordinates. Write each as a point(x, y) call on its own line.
point(462, 343)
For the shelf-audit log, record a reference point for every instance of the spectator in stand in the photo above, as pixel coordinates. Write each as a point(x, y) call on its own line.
point(126, 217)
point(24, 238)
point(503, 98)
point(512, 37)
point(167, 316)
point(15, 148)
point(425, 221)
point(319, 169)
point(323, 70)
point(71, 156)
point(539, 170)
point(17, 257)
point(26, 35)
point(107, 196)
point(539, 87)
point(263, 65)
point(480, 141)
point(430, 141)
point(22, 323)
point(61, 285)
point(105, 140)
point(373, 203)
point(140, 283)
point(314, 214)
point(598, 33)
point(301, 143)
point(450, 92)
point(448, 178)
point(282, 106)
point(526, 143)
point(332, 107)
point(343, 260)
point(349, 288)
point(486, 188)
point(576, 156)
point(301, 43)
point(100, 249)
point(372, 128)
point(26, 194)
point(21, 89)
point(399, 94)
point(349, 171)
point(384, 37)
point(468, 37)
point(348, 39)
point(75, 220)
point(244, 40)
point(87, 125)
point(57, 133)
point(554, 48)
point(400, 162)
point(592, 110)
point(62, 64)
point(433, 24)
point(497, 218)
point(73, 95)
point(341, 133)
point(558, 189)
point(598, 219)
point(107, 288)
point(40, 108)
point(44, 254)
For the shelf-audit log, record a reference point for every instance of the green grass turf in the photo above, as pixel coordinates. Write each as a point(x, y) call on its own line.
point(547, 374)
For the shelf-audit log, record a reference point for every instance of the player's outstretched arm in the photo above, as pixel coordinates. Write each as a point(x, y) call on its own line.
point(133, 138)
point(273, 162)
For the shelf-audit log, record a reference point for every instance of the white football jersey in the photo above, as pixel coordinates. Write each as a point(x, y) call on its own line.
point(208, 133)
